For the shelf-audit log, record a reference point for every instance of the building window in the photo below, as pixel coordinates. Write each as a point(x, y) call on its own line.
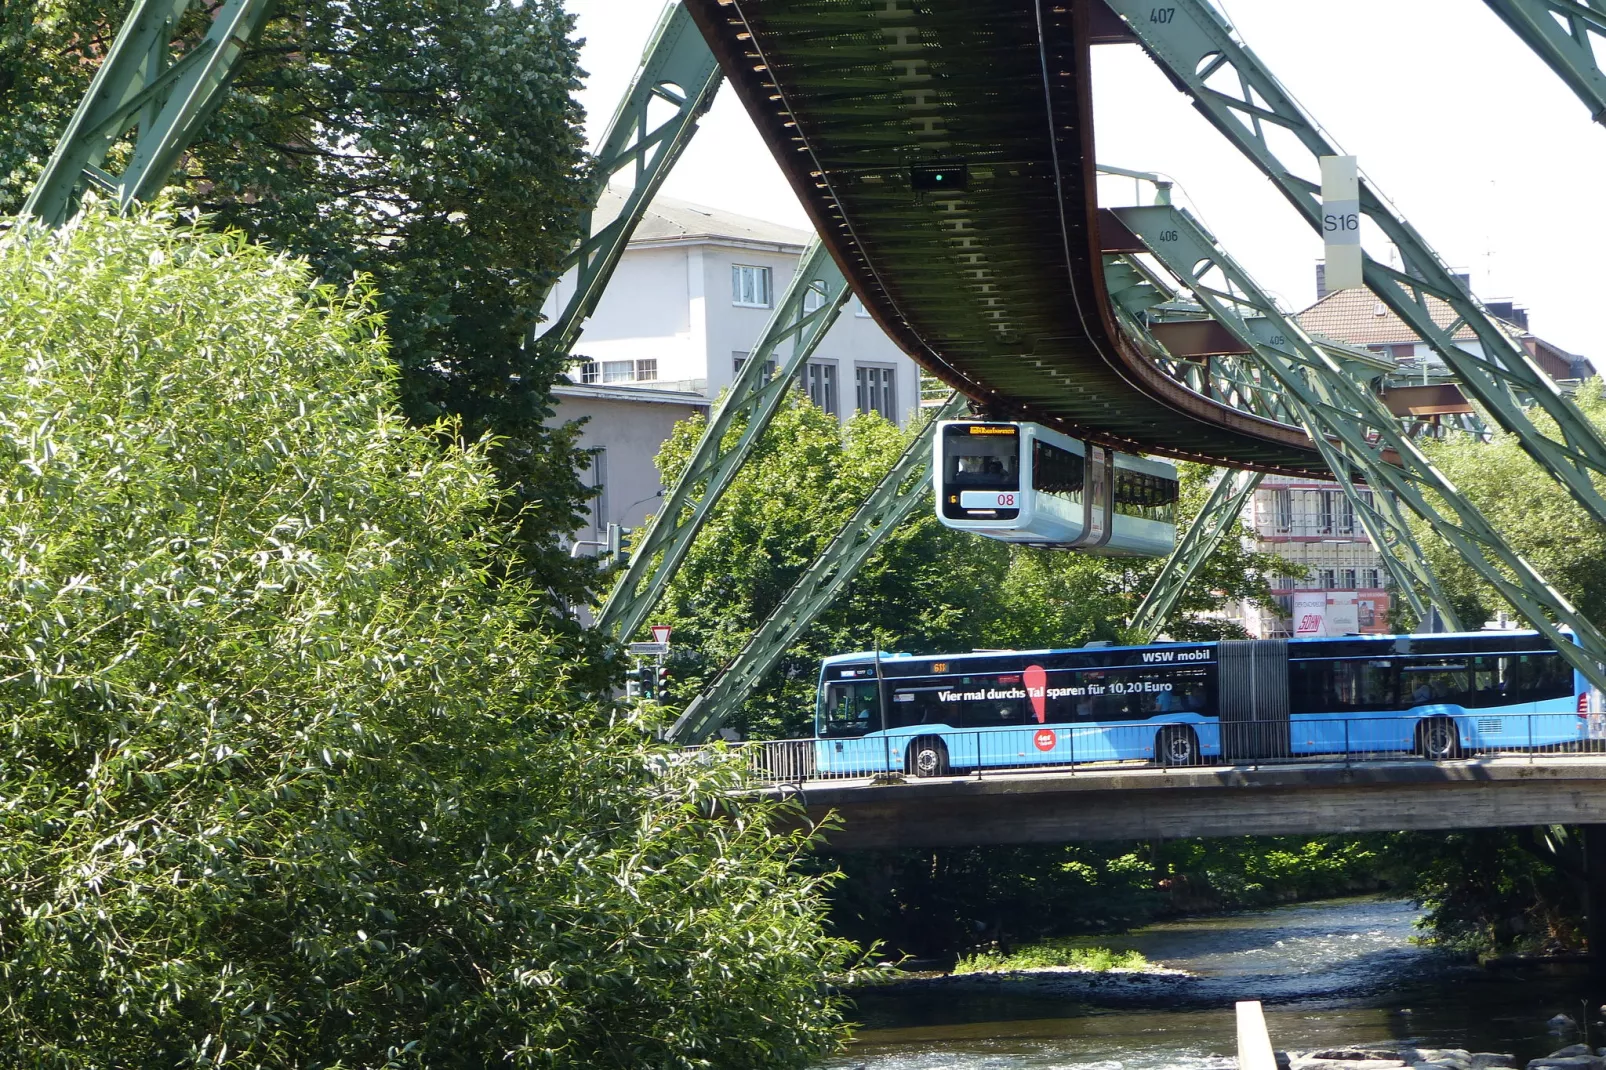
point(820, 384)
point(750, 286)
point(877, 392)
point(739, 359)
point(859, 310)
point(1346, 514)
point(814, 297)
point(1346, 579)
point(1325, 503)
point(619, 371)
point(1282, 507)
point(1325, 579)
point(1369, 579)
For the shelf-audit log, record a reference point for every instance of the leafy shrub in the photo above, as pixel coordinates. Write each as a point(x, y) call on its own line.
point(289, 778)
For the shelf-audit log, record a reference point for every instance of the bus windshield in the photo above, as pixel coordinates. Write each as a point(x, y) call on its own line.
point(851, 709)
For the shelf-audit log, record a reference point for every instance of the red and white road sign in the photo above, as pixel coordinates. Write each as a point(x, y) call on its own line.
point(660, 633)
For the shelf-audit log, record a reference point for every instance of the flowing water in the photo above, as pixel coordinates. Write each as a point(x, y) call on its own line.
point(1335, 973)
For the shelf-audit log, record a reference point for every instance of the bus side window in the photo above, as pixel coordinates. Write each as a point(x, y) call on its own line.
point(1491, 681)
point(1543, 676)
point(992, 713)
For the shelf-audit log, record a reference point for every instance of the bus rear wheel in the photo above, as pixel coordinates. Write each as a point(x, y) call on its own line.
point(1176, 745)
point(1437, 739)
point(928, 756)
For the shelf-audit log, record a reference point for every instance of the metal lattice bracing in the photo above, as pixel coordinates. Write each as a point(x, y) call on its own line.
point(804, 315)
point(141, 83)
point(904, 488)
point(1354, 423)
point(1217, 520)
point(672, 89)
point(1233, 89)
point(1569, 35)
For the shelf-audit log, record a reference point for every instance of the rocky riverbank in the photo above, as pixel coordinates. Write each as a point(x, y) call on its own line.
point(1572, 1057)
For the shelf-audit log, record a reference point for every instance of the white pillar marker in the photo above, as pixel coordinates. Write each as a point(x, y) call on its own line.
point(1341, 222)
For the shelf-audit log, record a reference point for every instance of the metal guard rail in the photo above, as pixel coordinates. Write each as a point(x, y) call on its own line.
point(1174, 743)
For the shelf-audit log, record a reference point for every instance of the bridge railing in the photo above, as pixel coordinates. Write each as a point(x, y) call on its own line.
point(917, 752)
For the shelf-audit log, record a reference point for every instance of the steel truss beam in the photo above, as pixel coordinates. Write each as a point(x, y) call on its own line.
point(1215, 521)
point(905, 487)
point(1565, 33)
point(1349, 420)
point(141, 83)
point(1230, 87)
point(679, 71)
point(751, 404)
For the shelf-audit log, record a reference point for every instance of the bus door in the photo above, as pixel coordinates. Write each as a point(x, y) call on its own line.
point(852, 710)
point(1252, 697)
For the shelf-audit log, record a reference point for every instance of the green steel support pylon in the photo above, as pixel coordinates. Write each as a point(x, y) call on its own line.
point(1216, 520)
point(812, 302)
point(904, 488)
point(139, 82)
point(1566, 34)
point(1339, 414)
point(1229, 85)
point(678, 76)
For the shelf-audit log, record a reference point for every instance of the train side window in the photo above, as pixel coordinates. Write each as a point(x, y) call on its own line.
point(1057, 471)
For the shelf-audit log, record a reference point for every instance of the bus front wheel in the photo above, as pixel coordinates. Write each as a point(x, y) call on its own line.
point(927, 757)
point(1437, 739)
point(1176, 745)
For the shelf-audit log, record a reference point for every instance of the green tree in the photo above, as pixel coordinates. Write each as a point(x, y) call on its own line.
point(432, 145)
point(292, 776)
point(1535, 515)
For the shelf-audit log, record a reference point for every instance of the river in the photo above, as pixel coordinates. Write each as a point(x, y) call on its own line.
point(1341, 972)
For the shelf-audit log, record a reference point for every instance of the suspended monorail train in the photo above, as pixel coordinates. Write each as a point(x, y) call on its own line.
point(1026, 483)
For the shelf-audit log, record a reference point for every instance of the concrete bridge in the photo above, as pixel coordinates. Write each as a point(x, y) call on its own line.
point(1130, 803)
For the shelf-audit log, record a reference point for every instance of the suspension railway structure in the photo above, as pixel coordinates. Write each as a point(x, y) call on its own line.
point(940, 150)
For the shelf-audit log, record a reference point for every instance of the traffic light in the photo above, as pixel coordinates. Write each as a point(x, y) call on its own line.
point(647, 680)
point(662, 678)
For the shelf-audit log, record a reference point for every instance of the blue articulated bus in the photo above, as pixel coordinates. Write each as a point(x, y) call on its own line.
point(1437, 696)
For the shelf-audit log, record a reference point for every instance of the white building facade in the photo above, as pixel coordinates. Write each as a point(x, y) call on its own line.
point(688, 300)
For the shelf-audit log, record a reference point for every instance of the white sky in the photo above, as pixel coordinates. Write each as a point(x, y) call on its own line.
point(1477, 142)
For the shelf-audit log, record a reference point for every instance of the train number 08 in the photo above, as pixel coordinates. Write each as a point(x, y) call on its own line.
point(1006, 500)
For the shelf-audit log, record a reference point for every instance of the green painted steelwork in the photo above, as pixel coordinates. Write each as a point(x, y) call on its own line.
point(993, 283)
point(1353, 423)
point(678, 77)
point(1233, 89)
point(904, 488)
point(1565, 33)
point(750, 405)
point(140, 82)
point(1216, 520)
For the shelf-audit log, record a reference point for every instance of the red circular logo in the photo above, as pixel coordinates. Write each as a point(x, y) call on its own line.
point(1044, 739)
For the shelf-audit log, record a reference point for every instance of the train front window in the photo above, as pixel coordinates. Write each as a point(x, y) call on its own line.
point(981, 457)
point(851, 709)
